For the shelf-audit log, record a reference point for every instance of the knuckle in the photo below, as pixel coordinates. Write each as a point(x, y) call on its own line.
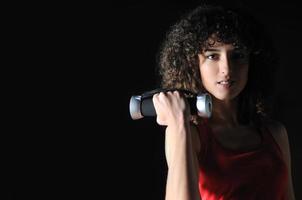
point(155, 98)
point(176, 93)
point(161, 94)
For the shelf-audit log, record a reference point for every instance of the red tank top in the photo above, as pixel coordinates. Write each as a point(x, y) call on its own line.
point(226, 174)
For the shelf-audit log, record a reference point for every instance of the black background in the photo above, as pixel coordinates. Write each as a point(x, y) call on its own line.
point(69, 132)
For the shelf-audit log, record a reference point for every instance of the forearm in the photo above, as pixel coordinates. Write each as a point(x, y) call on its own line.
point(183, 173)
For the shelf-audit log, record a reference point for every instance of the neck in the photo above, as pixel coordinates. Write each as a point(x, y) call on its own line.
point(224, 112)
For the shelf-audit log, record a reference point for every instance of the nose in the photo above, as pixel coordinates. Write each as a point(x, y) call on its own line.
point(225, 66)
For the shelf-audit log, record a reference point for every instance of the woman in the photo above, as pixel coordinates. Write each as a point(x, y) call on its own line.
point(238, 153)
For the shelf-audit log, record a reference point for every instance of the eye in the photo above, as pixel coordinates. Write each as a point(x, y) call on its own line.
point(239, 56)
point(212, 57)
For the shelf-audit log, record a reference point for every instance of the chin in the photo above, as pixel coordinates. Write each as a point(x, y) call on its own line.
point(225, 97)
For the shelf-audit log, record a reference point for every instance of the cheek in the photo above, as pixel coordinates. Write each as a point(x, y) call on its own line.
point(243, 77)
point(245, 73)
point(207, 76)
point(208, 71)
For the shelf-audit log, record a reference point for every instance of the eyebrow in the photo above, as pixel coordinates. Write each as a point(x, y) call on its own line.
point(218, 50)
point(211, 50)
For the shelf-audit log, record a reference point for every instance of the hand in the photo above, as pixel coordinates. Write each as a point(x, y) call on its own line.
point(171, 108)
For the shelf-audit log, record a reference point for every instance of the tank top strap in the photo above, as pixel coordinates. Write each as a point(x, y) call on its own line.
point(204, 137)
point(269, 140)
point(204, 130)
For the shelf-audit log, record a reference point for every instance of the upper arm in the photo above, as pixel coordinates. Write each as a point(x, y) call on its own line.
point(279, 133)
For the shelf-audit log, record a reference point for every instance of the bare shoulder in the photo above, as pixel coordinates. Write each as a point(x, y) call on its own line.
point(278, 131)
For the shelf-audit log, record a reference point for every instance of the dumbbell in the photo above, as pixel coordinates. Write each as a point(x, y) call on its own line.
point(142, 105)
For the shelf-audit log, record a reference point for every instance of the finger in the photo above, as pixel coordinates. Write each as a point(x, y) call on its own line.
point(161, 96)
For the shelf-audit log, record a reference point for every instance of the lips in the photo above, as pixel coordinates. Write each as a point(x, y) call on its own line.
point(226, 83)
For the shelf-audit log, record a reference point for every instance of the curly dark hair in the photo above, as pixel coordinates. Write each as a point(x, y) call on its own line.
point(178, 64)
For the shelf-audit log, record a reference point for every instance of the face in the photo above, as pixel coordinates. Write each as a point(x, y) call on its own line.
point(224, 70)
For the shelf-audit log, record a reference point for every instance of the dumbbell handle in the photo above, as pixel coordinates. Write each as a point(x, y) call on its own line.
point(142, 106)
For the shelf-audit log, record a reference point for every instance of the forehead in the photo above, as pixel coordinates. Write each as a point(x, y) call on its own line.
point(219, 46)
point(215, 42)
